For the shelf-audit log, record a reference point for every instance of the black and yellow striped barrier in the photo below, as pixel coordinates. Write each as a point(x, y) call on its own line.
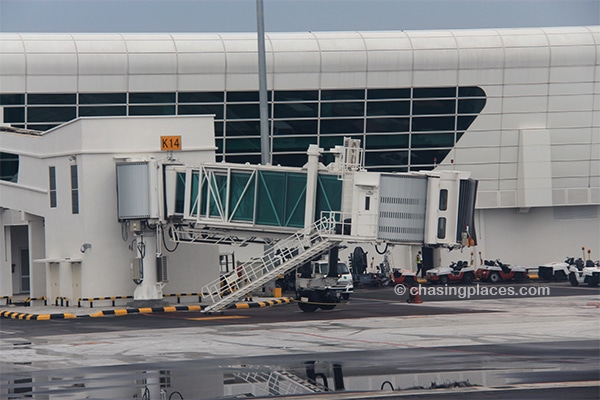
point(180, 295)
point(92, 299)
point(141, 310)
point(28, 301)
point(8, 299)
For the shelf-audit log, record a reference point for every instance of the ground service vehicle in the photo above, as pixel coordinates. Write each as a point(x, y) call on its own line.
point(459, 271)
point(405, 276)
point(558, 271)
point(588, 272)
point(496, 271)
point(318, 285)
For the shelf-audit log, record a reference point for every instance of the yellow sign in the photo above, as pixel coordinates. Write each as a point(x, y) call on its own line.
point(170, 143)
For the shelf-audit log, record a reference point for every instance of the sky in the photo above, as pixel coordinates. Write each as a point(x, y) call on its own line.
point(175, 16)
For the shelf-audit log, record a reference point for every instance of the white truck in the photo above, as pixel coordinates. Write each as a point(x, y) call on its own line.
point(318, 287)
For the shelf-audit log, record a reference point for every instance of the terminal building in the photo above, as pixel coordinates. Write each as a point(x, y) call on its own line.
point(519, 109)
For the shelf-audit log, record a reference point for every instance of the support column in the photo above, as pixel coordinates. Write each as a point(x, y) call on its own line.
point(312, 172)
point(148, 292)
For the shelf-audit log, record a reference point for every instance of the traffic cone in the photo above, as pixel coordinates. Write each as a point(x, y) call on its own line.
point(413, 298)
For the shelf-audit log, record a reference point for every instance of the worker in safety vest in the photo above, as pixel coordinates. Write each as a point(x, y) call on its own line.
point(420, 265)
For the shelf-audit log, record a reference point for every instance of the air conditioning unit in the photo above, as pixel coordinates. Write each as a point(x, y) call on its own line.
point(161, 269)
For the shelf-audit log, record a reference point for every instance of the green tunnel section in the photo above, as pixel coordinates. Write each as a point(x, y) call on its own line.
point(258, 197)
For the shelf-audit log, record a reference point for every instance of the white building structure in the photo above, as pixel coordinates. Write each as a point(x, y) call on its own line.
point(517, 108)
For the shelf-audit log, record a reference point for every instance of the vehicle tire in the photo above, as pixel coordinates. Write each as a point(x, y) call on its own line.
point(345, 296)
point(468, 278)
point(327, 307)
point(444, 279)
point(544, 273)
point(592, 282)
point(560, 276)
point(307, 307)
point(494, 277)
point(573, 279)
point(519, 277)
point(410, 281)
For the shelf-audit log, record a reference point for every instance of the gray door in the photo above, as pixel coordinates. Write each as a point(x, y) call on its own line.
point(25, 271)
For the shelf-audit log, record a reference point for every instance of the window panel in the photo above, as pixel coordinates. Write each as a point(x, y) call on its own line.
point(433, 107)
point(296, 95)
point(337, 126)
point(14, 114)
point(74, 190)
point(201, 109)
point(433, 123)
point(293, 144)
point(427, 157)
point(95, 111)
point(388, 94)
point(102, 98)
point(356, 109)
point(327, 142)
point(388, 125)
point(432, 140)
point(52, 186)
point(387, 141)
point(350, 94)
point(152, 110)
point(12, 99)
point(291, 160)
point(243, 111)
point(470, 106)
point(295, 127)
point(201, 97)
point(464, 122)
point(431, 93)
point(388, 108)
point(242, 96)
point(9, 167)
point(51, 98)
point(151, 98)
point(51, 114)
point(391, 157)
point(249, 128)
point(471, 91)
point(219, 129)
point(242, 159)
point(296, 110)
point(242, 145)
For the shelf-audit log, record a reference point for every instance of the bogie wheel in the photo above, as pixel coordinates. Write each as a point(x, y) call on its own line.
point(444, 279)
point(308, 307)
point(494, 277)
point(468, 278)
point(573, 279)
point(327, 307)
point(560, 276)
point(519, 277)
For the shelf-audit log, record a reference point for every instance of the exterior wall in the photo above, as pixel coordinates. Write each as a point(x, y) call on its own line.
point(534, 147)
point(56, 235)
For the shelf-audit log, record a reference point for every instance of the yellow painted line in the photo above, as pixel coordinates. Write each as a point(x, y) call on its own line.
point(217, 317)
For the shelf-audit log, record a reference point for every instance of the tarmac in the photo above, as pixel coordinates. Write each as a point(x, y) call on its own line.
point(43, 310)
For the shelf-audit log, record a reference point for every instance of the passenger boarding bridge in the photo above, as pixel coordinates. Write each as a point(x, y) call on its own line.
point(298, 213)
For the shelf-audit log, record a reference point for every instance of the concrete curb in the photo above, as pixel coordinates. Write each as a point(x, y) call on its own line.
point(130, 311)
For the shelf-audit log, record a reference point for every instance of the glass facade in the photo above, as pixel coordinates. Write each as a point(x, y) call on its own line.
point(401, 129)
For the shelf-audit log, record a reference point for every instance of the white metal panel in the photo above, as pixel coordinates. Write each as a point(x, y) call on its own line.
point(12, 83)
point(446, 59)
point(343, 79)
point(214, 82)
point(526, 57)
point(523, 104)
point(293, 43)
point(244, 63)
point(386, 41)
point(240, 43)
point(558, 89)
point(540, 89)
point(133, 190)
point(572, 74)
point(477, 58)
point(103, 83)
point(52, 64)
point(295, 81)
point(12, 64)
point(51, 83)
point(340, 41)
point(389, 79)
point(152, 63)
point(573, 55)
point(201, 63)
point(60, 45)
point(102, 64)
point(389, 61)
point(477, 39)
point(571, 103)
point(569, 119)
point(402, 202)
point(150, 82)
point(206, 43)
point(582, 135)
point(285, 62)
point(344, 61)
point(525, 75)
point(435, 78)
point(114, 44)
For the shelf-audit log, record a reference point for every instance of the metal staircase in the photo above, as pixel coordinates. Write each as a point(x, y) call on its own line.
point(281, 258)
point(280, 382)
